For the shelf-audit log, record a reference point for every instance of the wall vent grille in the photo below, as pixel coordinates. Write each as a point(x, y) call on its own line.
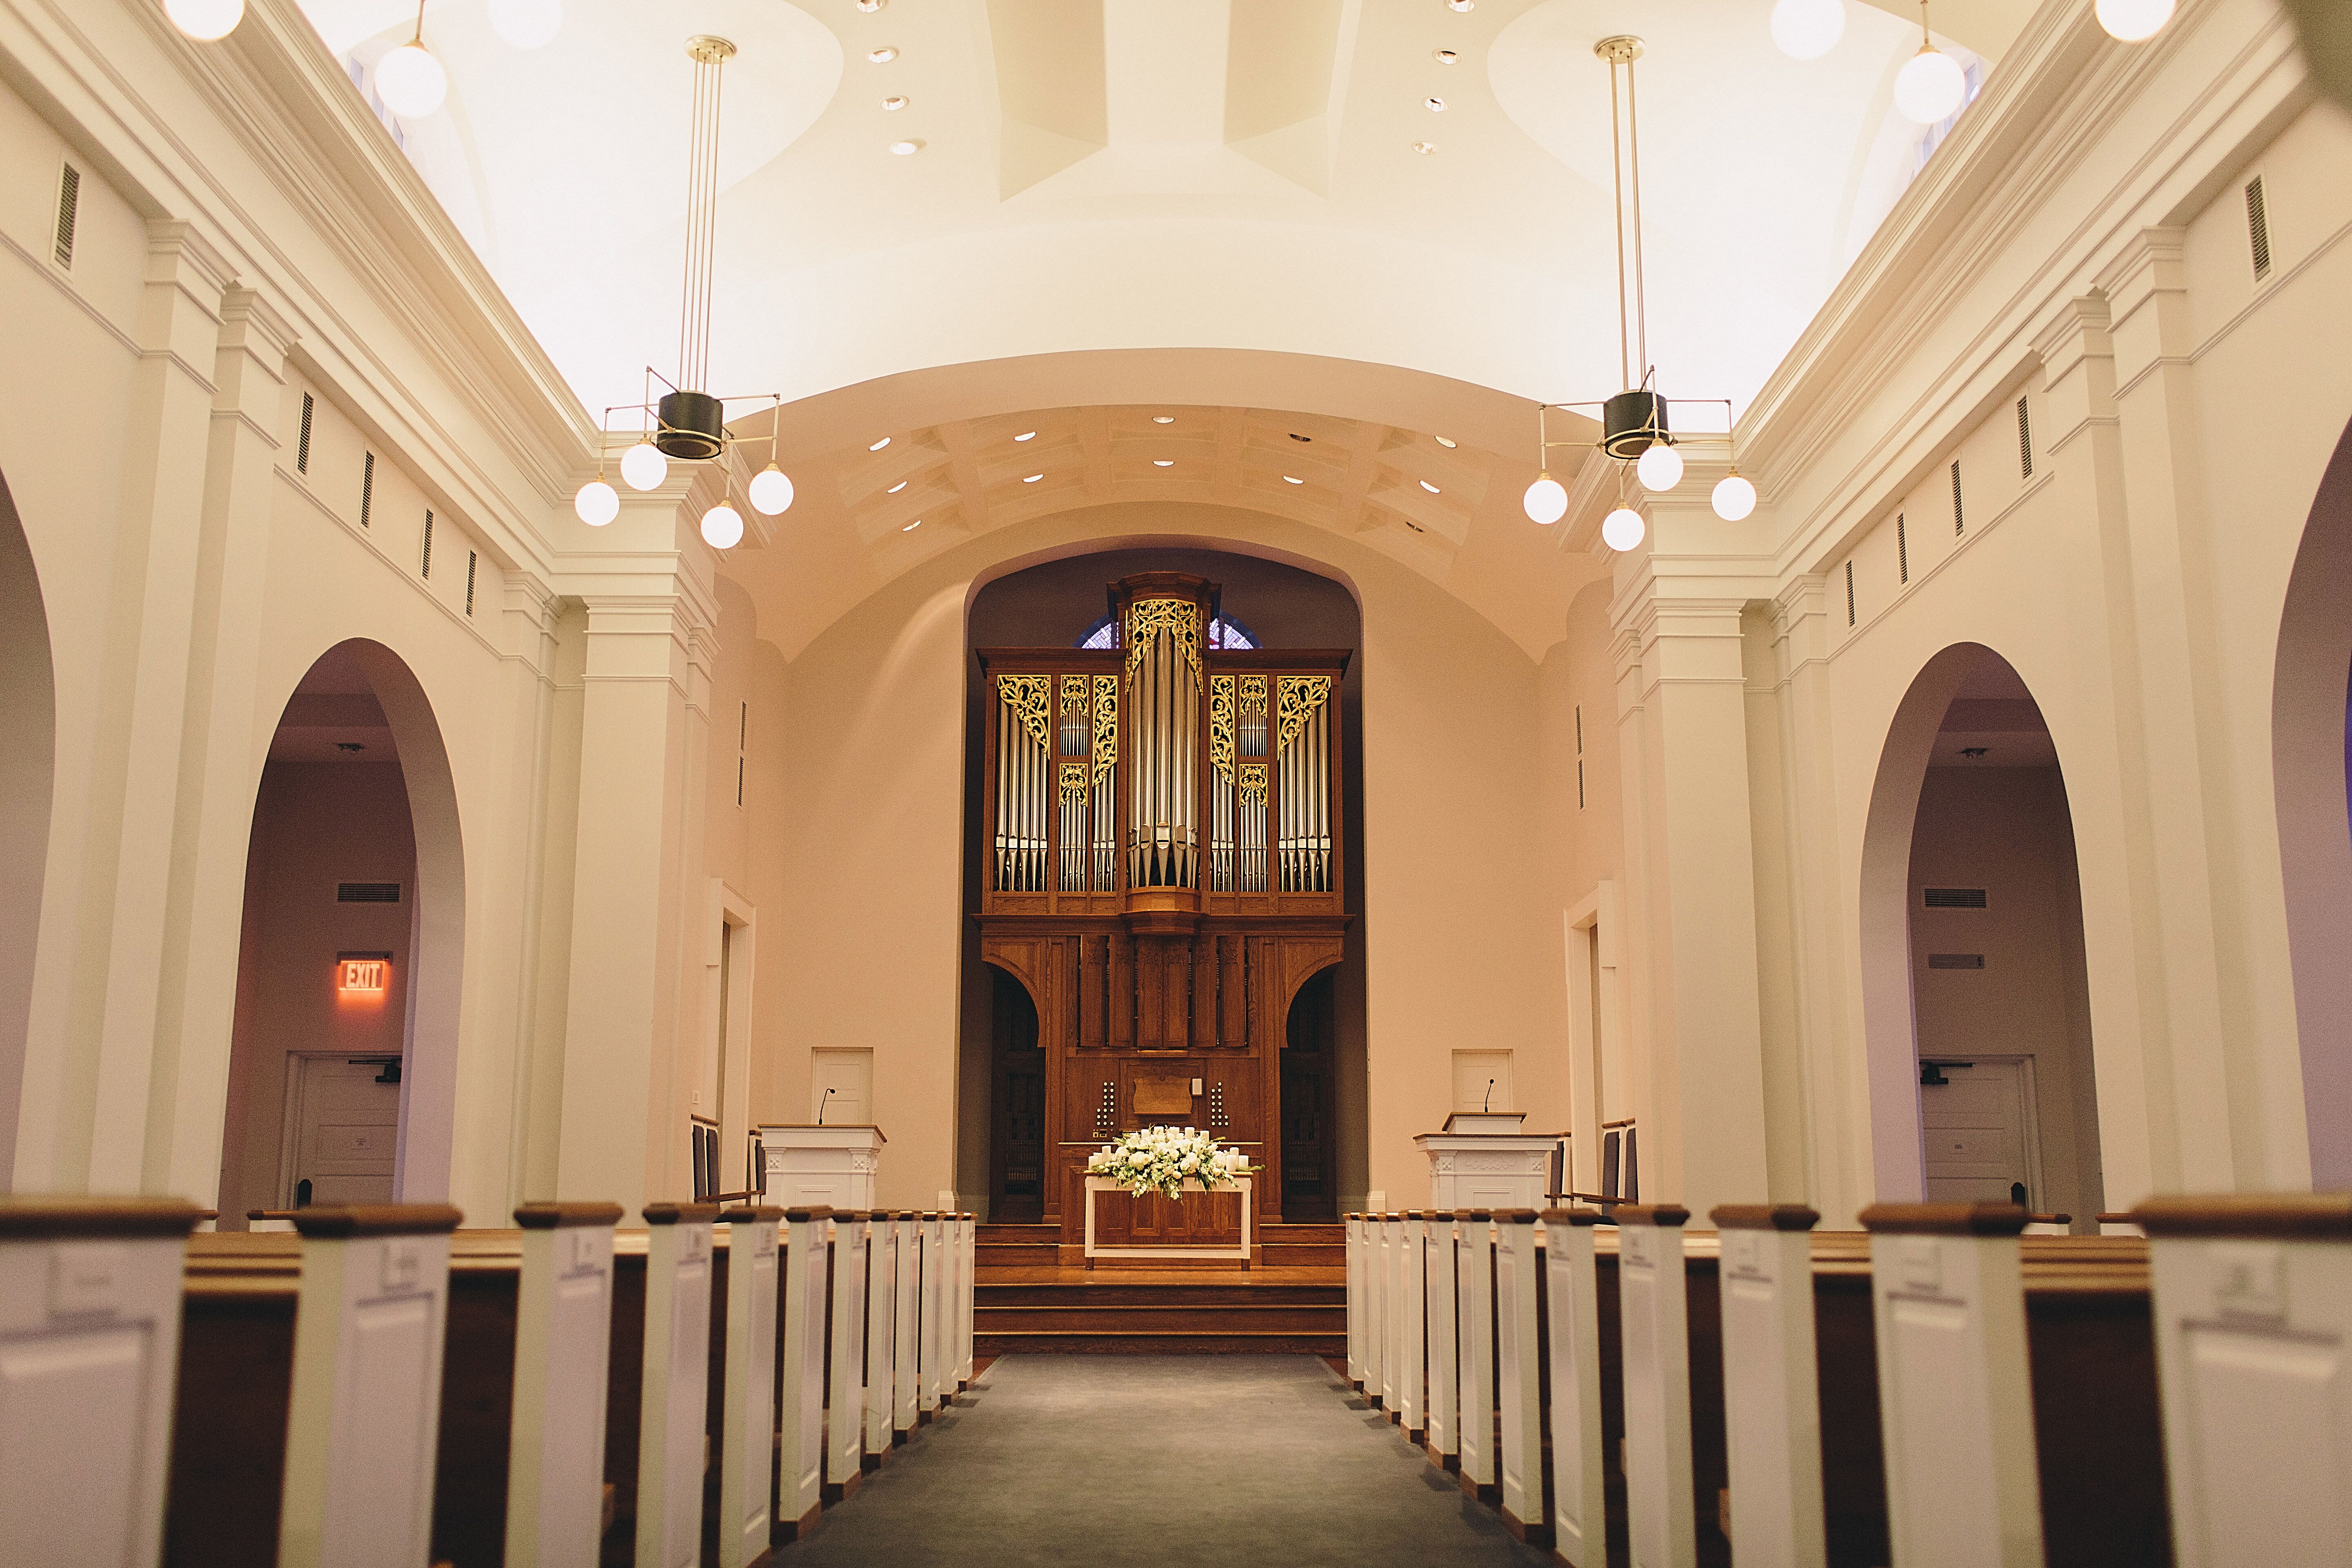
point(68, 213)
point(367, 489)
point(2258, 226)
point(473, 562)
point(1902, 550)
point(2024, 442)
point(367, 892)
point(1955, 897)
point(302, 441)
point(424, 565)
point(1848, 593)
point(1955, 961)
point(1959, 519)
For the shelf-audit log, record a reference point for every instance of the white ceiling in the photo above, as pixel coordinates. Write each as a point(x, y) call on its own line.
point(1162, 173)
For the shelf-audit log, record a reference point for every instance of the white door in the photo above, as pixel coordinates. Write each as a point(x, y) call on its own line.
point(841, 1086)
point(1975, 1132)
point(1482, 1081)
point(345, 1129)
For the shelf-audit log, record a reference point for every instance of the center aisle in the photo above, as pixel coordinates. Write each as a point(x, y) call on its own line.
point(1235, 1460)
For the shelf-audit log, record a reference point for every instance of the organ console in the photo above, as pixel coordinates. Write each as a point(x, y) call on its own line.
point(1164, 871)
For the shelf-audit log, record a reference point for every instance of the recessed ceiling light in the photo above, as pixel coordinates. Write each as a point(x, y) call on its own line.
point(870, 6)
point(1436, 105)
point(894, 490)
point(1163, 462)
point(1033, 479)
point(1292, 479)
point(895, 102)
point(1163, 419)
point(1432, 490)
point(883, 55)
point(912, 526)
point(1462, 5)
point(879, 445)
point(905, 149)
point(1445, 441)
point(1445, 57)
point(1026, 436)
point(1425, 148)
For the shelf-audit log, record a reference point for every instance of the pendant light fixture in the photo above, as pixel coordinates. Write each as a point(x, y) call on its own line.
point(1808, 29)
point(412, 83)
point(1931, 87)
point(206, 20)
point(689, 423)
point(2131, 21)
point(1634, 430)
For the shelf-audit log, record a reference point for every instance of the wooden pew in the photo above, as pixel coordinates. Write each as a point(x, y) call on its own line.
point(91, 1321)
point(2253, 1302)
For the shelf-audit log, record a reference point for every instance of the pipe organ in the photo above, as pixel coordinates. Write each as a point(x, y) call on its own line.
point(1165, 872)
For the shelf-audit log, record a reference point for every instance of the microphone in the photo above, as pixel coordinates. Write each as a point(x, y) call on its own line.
point(821, 1105)
point(1488, 1103)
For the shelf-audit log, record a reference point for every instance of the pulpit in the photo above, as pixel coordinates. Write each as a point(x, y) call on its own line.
point(1486, 1168)
point(808, 1165)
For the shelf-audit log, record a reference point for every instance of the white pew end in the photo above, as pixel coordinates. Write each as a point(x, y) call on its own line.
point(1441, 1288)
point(1661, 1520)
point(365, 1410)
point(1573, 1333)
point(1771, 1386)
point(89, 1350)
point(1355, 1223)
point(1376, 1281)
point(564, 1331)
point(671, 1444)
point(1474, 1327)
point(1413, 1331)
point(931, 1354)
point(906, 1329)
point(1955, 1397)
point(1519, 1356)
point(747, 1422)
point(967, 1260)
point(1395, 1316)
point(845, 1431)
point(800, 1437)
point(881, 1318)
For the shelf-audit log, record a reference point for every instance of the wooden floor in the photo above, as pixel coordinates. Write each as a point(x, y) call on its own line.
point(1294, 1304)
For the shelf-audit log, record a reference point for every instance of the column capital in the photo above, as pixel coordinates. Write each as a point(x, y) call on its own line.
point(2075, 331)
point(2152, 261)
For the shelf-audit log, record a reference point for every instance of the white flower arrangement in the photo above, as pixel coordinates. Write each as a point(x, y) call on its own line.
point(1162, 1159)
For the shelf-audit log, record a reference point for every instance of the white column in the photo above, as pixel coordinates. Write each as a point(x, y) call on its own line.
point(1474, 1327)
point(564, 1331)
point(1771, 1386)
point(1518, 1352)
point(1654, 1326)
point(747, 1426)
point(1412, 1371)
point(1955, 1400)
point(908, 1324)
point(90, 1314)
point(2253, 1315)
point(1445, 1355)
point(677, 1399)
point(800, 1435)
point(881, 1342)
point(364, 1414)
point(846, 1432)
point(1572, 1334)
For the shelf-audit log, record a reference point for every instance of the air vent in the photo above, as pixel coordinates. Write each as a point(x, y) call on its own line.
point(68, 213)
point(2024, 442)
point(2258, 226)
point(367, 892)
point(367, 489)
point(302, 442)
point(1959, 519)
point(1955, 898)
point(1848, 593)
point(473, 562)
point(1955, 961)
point(1902, 551)
point(424, 565)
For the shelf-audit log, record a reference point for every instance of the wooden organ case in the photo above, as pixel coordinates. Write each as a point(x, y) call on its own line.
point(1163, 873)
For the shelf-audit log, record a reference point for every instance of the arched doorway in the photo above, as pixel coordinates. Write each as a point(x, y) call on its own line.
point(28, 762)
point(1310, 1087)
point(342, 1070)
point(2311, 755)
point(1016, 1145)
point(1976, 991)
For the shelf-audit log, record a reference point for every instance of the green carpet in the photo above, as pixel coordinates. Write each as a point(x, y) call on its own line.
point(1117, 1461)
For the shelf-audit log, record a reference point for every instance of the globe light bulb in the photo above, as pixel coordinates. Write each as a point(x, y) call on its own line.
point(1929, 89)
point(722, 527)
point(1546, 500)
point(1622, 529)
point(1734, 497)
point(597, 504)
point(643, 467)
point(410, 81)
point(205, 20)
point(2133, 20)
point(1808, 29)
point(526, 23)
point(772, 490)
point(1660, 467)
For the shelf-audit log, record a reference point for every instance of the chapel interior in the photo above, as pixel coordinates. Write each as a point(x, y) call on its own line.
point(1602, 742)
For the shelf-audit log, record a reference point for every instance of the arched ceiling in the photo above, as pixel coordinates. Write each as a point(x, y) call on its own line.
point(1151, 174)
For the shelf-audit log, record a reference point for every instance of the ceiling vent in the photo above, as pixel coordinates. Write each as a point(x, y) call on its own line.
point(2258, 226)
point(1955, 898)
point(367, 892)
point(68, 214)
point(1955, 961)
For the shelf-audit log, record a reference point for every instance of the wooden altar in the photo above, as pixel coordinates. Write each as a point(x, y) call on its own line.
point(1163, 875)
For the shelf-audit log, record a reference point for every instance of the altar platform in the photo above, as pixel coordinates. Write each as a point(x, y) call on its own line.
point(1293, 1303)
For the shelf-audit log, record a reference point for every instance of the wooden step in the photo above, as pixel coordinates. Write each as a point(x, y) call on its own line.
point(1160, 1320)
point(1305, 1255)
point(1018, 1255)
point(1090, 1344)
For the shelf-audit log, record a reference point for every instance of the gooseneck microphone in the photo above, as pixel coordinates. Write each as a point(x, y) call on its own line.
point(822, 1104)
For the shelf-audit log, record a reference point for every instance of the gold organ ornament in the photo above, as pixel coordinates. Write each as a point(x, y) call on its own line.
point(1299, 696)
point(1221, 725)
point(1253, 782)
point(1105, 752)
point(1074, 784)
point(1180, 618)
point(1028, 697)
